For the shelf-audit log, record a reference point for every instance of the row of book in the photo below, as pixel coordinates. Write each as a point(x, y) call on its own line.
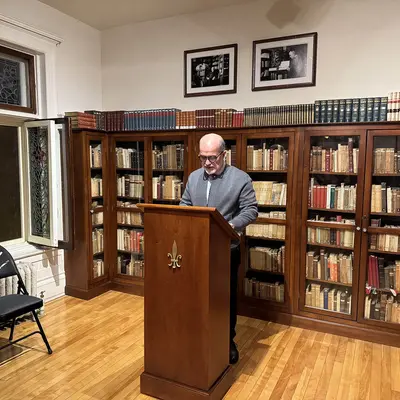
point(273, 214)
point(274, 158)
point(97, 218)
point(130, 186)
point(170, 156)
point(335, 267)
point(381, 276)
point(385, 199)
point(98, 268)
point(342, 159)
point(393, 111)
point(387, 242)
point(96, 184)
point(365, 109)
point(341, 197)
point(330, 236)
point(231, 155)
point(268, 231)
point(129, 218)
point(382, 307)
point(169, 187)
point(386, 161)
point(270, 192)
point(98, 240)
point(95, 156)
point(328, 298)
point(131, 240)
point(130, 265)
point(264, 290)
point(267, 259)
point(129, 157)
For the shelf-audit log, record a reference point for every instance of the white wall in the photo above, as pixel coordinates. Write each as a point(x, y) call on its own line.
point(142, 64)
point(78, 58)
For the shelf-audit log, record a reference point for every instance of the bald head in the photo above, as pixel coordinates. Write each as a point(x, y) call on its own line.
point(212, 153)
point(212, 143)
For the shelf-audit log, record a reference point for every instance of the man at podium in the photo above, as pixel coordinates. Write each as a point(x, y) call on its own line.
point(230, 191)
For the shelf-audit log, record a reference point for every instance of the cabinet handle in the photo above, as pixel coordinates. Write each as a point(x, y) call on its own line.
point(365, 230)
point(91, 211)
point(358, 228)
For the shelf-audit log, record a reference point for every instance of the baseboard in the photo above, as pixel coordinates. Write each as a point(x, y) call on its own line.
point(131, 288)
point(87, 294)
point(165, 389)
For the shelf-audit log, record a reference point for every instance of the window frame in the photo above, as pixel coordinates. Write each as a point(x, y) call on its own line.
point(30, 59)
point(60, 184)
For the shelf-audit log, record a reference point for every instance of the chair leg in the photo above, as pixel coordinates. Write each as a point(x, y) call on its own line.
point(12, 330)
point(49, 350)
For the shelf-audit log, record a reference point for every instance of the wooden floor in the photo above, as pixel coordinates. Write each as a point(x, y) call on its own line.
point(98, 354)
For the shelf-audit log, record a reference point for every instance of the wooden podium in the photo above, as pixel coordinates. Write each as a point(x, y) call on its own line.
point(186, 302)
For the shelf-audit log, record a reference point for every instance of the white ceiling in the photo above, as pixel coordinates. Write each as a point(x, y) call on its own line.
point(104, 14)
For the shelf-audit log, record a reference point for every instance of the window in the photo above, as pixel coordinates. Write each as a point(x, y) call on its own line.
point(17, 81)
point(35, 205)
point(11, 226)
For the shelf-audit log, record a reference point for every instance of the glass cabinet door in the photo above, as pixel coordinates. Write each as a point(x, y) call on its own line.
point(269, 162)
point(331, 222)
point(130, 190)
point(380, 295)
point(96, 162)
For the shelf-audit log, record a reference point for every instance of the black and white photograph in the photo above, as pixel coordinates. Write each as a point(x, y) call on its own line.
point(285, 62)
point(210, 71)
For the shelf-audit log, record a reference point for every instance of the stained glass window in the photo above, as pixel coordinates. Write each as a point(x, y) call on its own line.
point(17, 81)
point(39, 181)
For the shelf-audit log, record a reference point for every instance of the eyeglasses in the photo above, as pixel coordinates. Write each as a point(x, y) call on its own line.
point(212, 159)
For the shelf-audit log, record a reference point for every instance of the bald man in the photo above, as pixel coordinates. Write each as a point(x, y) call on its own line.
point(231, 191)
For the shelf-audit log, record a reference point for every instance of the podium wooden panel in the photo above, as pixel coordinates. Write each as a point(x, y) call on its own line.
point(186, 302)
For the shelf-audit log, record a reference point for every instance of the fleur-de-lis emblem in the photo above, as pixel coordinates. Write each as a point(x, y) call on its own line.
point(175, 258)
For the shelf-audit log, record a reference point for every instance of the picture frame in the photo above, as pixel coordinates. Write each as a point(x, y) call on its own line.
point(285, 62)
point(210, 71)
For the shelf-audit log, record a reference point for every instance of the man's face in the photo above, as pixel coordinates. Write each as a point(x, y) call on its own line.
point(211, 157)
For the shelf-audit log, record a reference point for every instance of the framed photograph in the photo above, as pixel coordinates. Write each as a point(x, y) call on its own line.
point(210, 71)
point(285, 62)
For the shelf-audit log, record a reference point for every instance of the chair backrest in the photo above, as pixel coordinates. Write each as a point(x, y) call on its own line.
point(7, 264)
point(9, 268)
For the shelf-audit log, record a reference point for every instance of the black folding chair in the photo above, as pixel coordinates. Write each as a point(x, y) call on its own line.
point(13, 306)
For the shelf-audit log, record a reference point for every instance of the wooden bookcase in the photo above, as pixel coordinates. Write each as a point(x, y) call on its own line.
point(312, 231)
point(87, 272)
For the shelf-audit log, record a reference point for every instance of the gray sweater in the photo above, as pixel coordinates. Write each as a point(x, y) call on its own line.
point(232, 193)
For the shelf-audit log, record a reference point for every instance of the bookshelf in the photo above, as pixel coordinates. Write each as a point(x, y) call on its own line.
point(331, 221)
point(266, 249)
point(88, 273)
point(282, 251)
point(379, 304)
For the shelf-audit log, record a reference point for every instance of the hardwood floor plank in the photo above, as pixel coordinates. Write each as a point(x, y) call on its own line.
point(366, 366)
point(386, 386)
point(375, 391)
